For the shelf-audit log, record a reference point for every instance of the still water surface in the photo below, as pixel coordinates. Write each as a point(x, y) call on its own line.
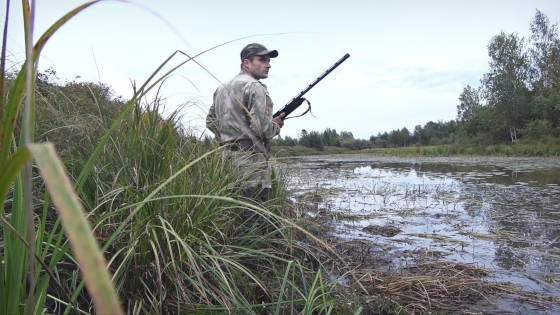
point(502, 214)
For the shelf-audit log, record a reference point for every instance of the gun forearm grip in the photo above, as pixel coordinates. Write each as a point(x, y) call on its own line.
point(290, 107)
point(277, 114)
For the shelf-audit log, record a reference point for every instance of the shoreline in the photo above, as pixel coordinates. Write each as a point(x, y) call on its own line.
point(551, 150)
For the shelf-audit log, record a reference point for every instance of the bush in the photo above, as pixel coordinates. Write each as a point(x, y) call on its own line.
point(537, 129)
point(312, 140)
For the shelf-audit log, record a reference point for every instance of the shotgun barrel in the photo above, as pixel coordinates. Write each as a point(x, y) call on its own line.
point(296, 101)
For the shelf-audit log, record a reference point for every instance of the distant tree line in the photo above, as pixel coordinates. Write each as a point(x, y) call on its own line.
point(518, 98)
point(433, 133)
point(318, 140)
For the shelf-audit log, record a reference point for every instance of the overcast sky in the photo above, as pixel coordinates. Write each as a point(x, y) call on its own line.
point(409, 59)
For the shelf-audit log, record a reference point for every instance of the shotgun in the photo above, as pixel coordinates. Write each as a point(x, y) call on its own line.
point(298, 100)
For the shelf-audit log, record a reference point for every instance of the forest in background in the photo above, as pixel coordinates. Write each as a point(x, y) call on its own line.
point(518, 100)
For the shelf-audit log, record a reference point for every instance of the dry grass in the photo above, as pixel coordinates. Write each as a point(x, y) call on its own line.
point(432, 286)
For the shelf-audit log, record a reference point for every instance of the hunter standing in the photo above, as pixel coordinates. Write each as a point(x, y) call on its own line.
point(241, 119)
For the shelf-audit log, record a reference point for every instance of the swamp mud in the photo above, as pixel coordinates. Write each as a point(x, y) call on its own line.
point(497, 214)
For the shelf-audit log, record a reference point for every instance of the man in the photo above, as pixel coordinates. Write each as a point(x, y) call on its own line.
point(241, 119)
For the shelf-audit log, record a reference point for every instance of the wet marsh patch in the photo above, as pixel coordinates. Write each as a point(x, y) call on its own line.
point(501, 214)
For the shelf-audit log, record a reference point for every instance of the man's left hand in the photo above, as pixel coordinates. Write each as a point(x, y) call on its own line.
point(279, 120)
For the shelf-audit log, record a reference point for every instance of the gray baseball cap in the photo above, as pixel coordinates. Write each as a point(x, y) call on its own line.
point(255, 49)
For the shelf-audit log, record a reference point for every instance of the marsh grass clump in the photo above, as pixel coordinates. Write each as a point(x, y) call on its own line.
point(191, 247)
point(432, 285)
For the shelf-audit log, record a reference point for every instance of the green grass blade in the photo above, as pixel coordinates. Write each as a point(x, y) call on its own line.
point(10, 114)
point(283, 287)
point(40, 260)
point(13, 267)
point(86, 250)
point(310, 298)
point(9, 172)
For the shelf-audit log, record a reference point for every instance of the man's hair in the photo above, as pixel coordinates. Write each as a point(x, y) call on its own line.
point(250, 59)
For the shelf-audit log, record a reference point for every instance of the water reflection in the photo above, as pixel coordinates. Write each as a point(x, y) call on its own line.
point(499, 213)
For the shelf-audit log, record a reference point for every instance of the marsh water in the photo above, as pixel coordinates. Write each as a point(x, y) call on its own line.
point(502, 214)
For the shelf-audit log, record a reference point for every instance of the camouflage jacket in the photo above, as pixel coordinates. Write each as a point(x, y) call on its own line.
point(242, 111)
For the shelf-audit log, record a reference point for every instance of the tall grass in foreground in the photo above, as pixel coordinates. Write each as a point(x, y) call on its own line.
point(163, 206)
point(191, 247)
point(23, 286)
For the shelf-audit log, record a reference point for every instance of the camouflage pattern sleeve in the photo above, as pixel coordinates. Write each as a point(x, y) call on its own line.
point(212, 121)
point(260, 109)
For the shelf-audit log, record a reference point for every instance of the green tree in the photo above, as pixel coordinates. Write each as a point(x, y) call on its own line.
point(505, 85)
point(331, 137)
point(284, 141)
point(382, 140)
point(545, 53)
point(312, 139)
point(346, 135)
point(347, 139)
point(545, 80)
point(547, 107)
point(470, 101)
point(399, 138)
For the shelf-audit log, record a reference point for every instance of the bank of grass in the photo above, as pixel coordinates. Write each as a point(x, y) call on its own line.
point(169, 231)
point(166, 208)
point(299, 150)
point(544, 148)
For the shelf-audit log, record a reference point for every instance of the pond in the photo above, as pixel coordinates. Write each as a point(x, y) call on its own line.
point(502, 214)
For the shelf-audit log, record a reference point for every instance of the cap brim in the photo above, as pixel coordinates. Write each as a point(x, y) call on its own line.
point(270, 53)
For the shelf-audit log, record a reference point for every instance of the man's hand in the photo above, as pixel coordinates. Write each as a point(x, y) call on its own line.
point(279, 120)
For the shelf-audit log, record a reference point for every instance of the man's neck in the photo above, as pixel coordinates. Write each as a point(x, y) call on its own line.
point(248, 73)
